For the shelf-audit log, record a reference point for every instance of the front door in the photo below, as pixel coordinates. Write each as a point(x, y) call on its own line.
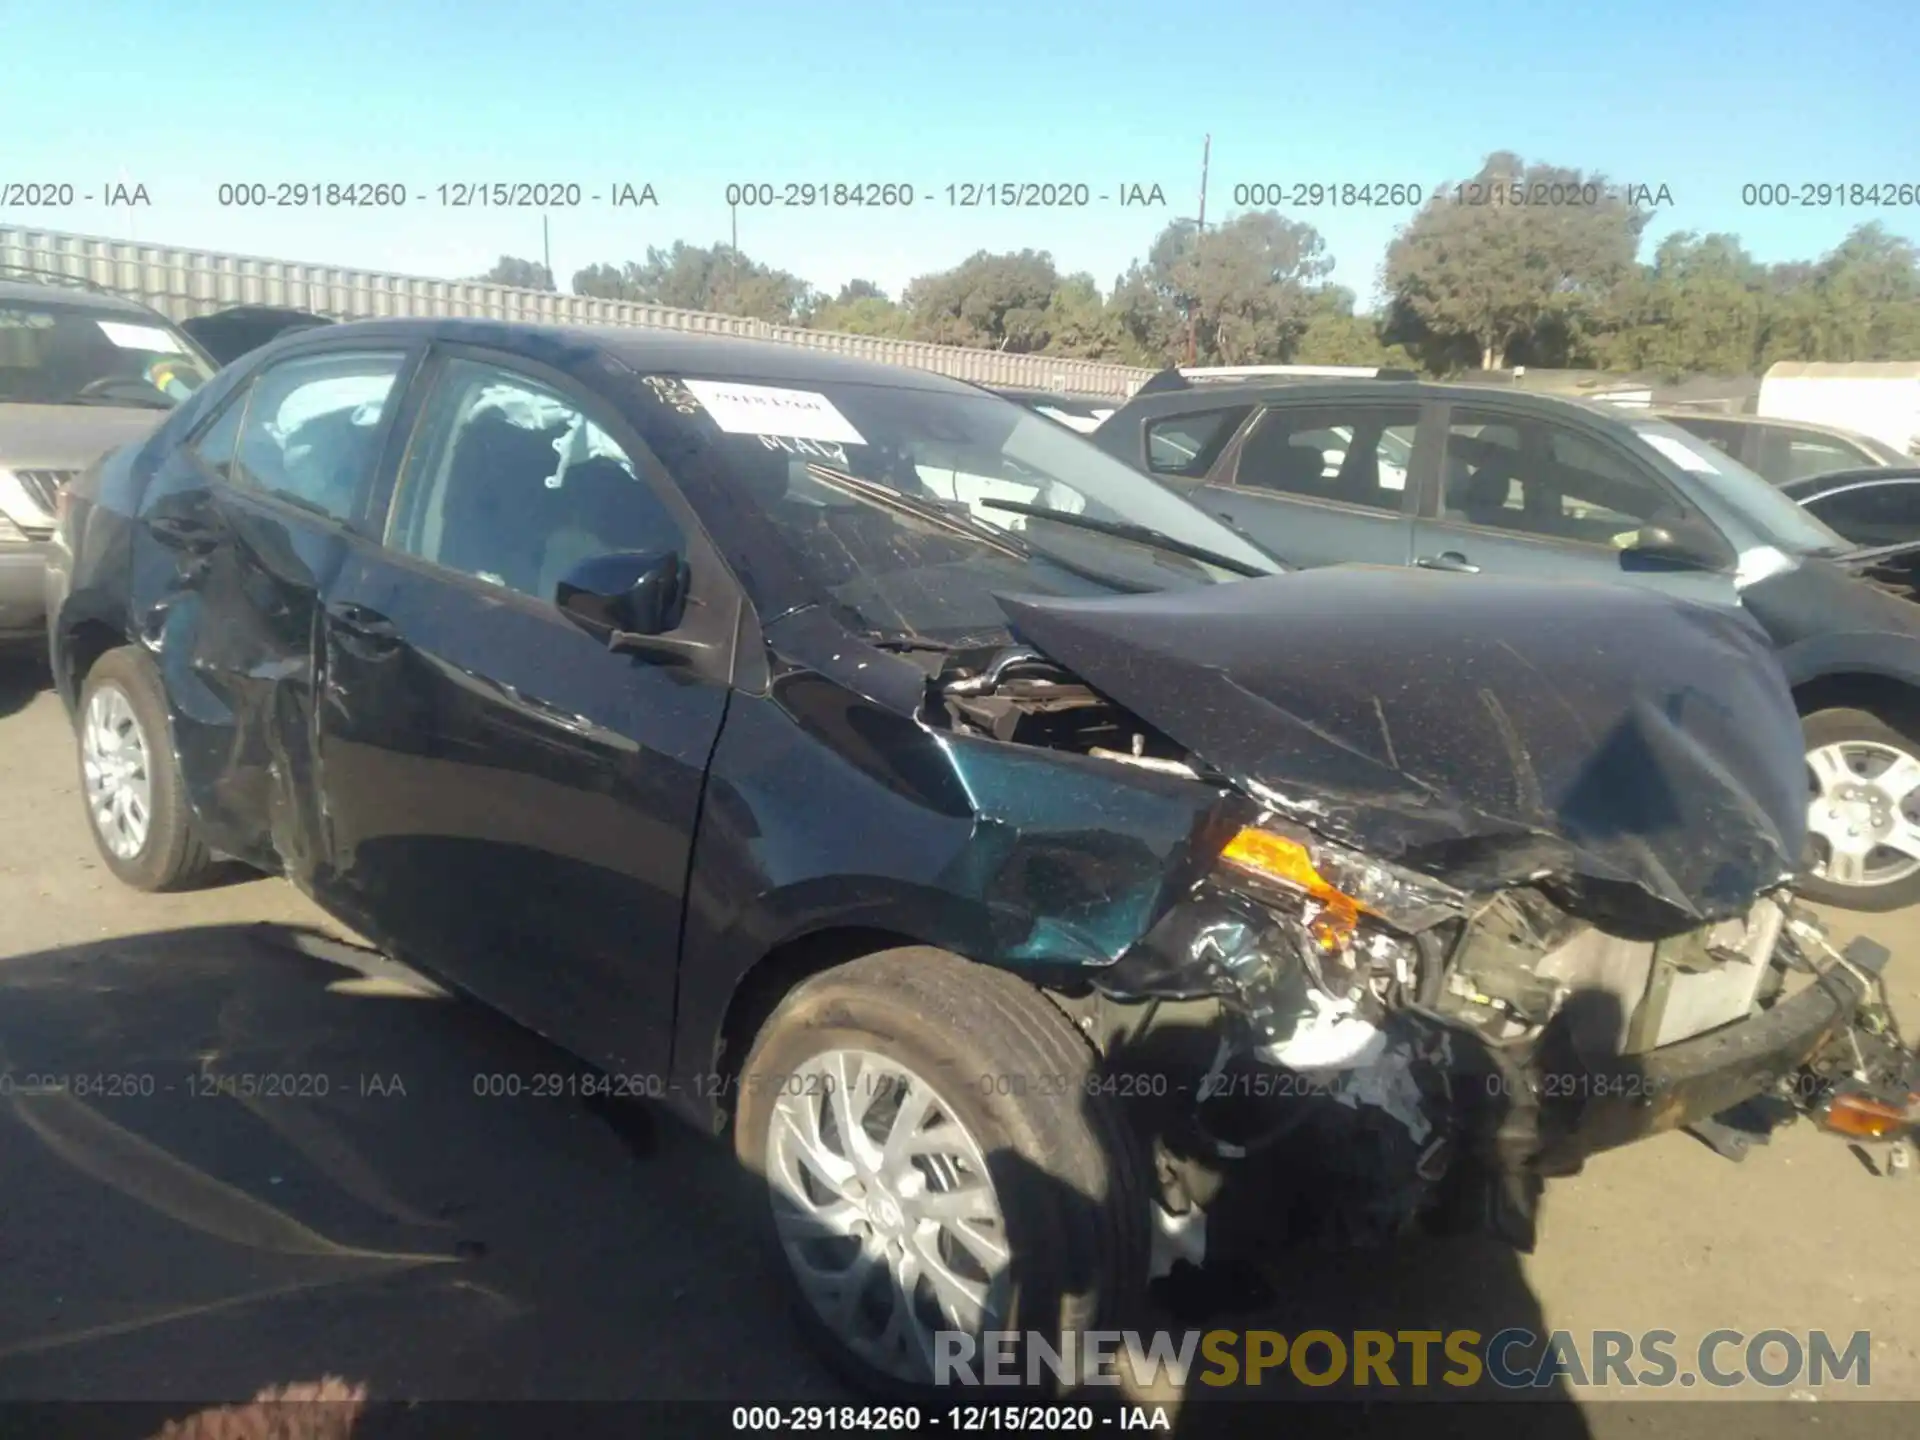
point(1515, 494)
point(510, 801)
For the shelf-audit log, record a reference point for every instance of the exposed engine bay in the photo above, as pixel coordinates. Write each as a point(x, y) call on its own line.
point(1439, 1046)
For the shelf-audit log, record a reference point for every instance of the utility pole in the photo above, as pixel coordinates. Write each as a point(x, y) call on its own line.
point(1200, 229)
point(734, 214)
point(546, 249)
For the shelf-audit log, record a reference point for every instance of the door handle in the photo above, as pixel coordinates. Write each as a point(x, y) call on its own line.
point(359, 620)
point(1448, 560)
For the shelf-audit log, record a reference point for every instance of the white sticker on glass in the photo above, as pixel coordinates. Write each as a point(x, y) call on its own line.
point(770, 410)
point(141, 337)
point(1685, 456)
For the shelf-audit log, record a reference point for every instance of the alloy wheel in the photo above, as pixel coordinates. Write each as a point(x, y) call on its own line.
point(885, 1209)
point(1864, 813)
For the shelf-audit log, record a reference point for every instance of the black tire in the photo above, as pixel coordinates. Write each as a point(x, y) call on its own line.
point(171, 856)
point(1072, 1188)
point(1838, 726)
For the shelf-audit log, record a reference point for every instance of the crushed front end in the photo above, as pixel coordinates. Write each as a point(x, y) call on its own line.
point(1500, 880)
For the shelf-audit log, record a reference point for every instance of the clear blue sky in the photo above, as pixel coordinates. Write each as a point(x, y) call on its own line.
point(1699, 95)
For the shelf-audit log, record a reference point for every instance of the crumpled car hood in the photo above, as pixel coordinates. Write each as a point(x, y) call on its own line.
point(1642, 750)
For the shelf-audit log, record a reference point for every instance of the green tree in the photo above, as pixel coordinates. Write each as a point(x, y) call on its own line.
point(1700, 307)
point(1861, 301)
point(694, 277)
point(998, 302)
point(1506, 278)
point(1336, 336)
point(526, 274)
point(1245, 288)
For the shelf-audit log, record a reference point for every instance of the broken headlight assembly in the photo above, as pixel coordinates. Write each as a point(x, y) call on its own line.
point(1308, 944)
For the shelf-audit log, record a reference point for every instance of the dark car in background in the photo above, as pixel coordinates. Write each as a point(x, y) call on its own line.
point(81, 372)
point(1877, 510)
point(1016, 878)
point(1503, 482)
point(228, 334)
point(1787, 450)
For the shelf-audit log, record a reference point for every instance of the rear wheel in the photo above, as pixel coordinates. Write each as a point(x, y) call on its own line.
point(936, 1168)
point(136, 805)
point(1863, 812)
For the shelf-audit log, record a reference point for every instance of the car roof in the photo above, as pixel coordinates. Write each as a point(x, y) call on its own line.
point(1216, 395)
point(76, 296)
point(1809, 487)
point(1815, 426)
point(639, 348)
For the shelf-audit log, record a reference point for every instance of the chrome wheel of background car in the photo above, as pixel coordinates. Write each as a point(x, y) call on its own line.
point(114, 759)
point(885, 1209)
point(1865, 813)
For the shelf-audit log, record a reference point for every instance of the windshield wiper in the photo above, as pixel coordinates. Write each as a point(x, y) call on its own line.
point(1128, 530)
point(960, 521)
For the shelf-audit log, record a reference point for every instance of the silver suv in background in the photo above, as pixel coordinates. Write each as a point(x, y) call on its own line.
point(82, 372)
point(1787, 450)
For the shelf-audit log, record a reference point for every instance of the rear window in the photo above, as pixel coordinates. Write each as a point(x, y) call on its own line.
point(1189, 444)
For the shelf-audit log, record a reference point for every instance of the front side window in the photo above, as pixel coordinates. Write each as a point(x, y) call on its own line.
point(1535, 477)
point(311, 431)
point(1351, 454)
point(511, 483)
point(71, 353)
point(906, 508)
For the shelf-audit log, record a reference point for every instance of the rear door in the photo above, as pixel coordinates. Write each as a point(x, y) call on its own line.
point(1517, 494)
point(510, 801)
point(237, 535)
point(1322, 482)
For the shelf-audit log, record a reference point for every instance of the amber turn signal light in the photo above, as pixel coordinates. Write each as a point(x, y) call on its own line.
point(1275, 857)
point(1863, 1117)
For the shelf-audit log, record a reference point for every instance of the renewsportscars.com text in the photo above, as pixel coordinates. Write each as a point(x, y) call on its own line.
point(1512, 1359)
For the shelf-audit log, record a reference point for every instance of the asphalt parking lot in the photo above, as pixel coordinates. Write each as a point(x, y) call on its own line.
point(390, 1225)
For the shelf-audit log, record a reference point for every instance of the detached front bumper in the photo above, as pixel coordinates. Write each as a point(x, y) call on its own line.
point(1449, 1133)
point(1583, 1111)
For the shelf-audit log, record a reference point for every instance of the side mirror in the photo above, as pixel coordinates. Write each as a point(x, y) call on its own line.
point(631, 599)
point(1682, 542)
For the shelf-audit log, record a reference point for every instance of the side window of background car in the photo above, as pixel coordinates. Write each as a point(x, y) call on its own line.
point(1351, 454)
point(311, 429)
point(1721, 434)
point(512, 484)
point(1534, 477)
point(1189, 444)
point(1795, 454)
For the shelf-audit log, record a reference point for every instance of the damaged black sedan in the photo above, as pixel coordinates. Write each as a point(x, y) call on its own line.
point(1038, 885)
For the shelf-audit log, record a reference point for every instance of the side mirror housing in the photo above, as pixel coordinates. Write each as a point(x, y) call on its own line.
point(1681, 542)
point(633, 600)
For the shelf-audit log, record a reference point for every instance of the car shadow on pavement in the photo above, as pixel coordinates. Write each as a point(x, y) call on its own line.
point(245, 1156)
point(23, 675)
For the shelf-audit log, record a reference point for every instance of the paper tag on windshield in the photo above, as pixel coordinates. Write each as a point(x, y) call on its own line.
point(141, 337)
point(1684, 456)
point(769, 410)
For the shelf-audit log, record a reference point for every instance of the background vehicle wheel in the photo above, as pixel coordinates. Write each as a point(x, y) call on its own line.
point(130, 780)
point(1863, 814)
point(933, 1161)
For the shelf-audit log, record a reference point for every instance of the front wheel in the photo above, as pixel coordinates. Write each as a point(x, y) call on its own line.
point(136, 803)
point(936, 1166)
point(1863, 812)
